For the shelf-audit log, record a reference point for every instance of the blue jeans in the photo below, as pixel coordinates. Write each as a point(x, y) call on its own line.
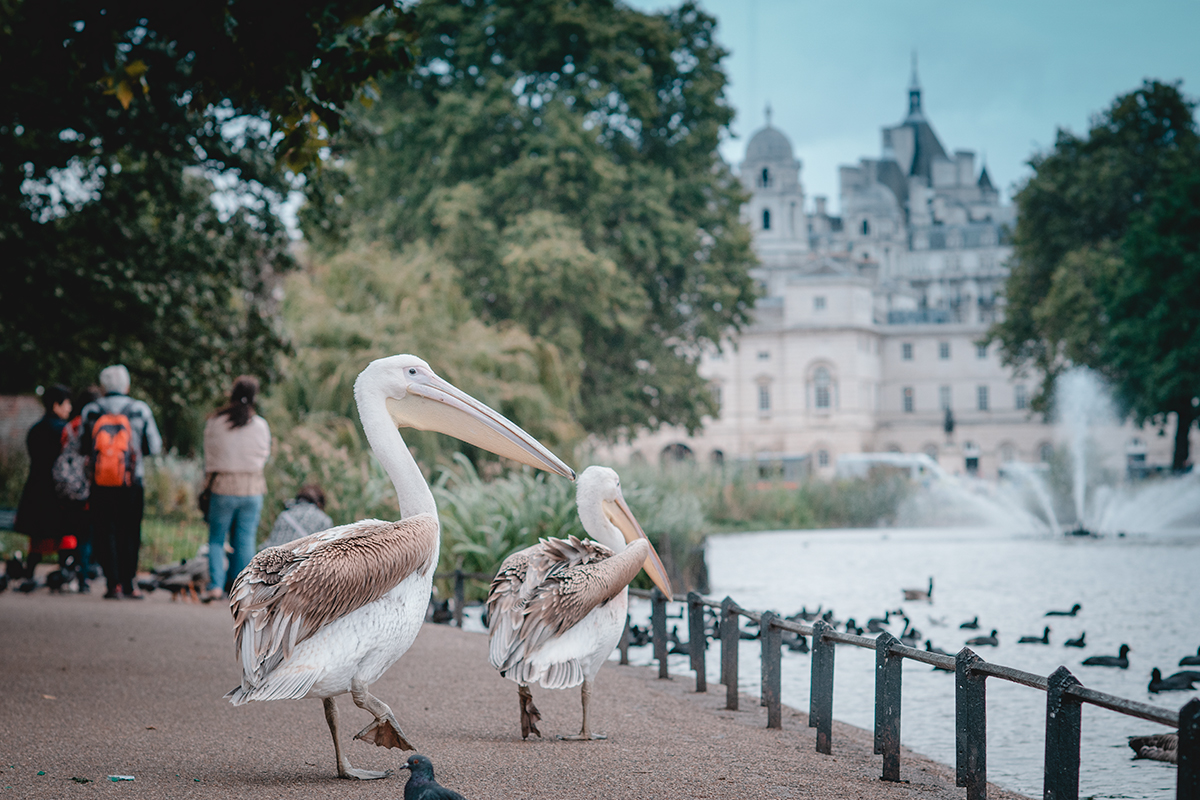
point(235, 516)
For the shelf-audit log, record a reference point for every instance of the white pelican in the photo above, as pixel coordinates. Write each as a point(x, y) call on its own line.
point(556, 610)
point(329, 613)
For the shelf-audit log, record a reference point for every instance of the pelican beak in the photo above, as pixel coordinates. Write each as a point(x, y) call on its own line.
point(437, 405)
point(618, 514)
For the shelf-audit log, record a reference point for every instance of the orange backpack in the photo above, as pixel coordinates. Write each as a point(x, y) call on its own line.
point(113, 457)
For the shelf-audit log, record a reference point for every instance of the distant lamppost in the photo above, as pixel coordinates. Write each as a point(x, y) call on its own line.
point(948, 425)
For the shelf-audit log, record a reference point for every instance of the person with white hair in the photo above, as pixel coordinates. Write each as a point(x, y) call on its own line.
point(117, 433)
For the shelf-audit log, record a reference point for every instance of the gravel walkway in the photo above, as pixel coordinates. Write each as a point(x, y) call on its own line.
point(97, 687)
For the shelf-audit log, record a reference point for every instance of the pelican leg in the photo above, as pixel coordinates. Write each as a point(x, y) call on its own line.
point(585, 734)
point(529, 713)
point(343, 763)
point(385, 730)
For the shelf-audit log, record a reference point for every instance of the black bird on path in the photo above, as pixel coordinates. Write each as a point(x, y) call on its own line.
point(1191, 661)
point(421, 785)
point(1179, 682)
point(1075, 642)
point(971, 625)
point(1043, 639)
point(1121, 661)
point(1074, 610)
point(989, 640)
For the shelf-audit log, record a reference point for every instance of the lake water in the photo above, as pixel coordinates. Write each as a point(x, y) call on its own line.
point(1143, 591)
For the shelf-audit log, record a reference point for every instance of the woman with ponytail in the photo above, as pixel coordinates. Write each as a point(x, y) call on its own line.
point(237, 443)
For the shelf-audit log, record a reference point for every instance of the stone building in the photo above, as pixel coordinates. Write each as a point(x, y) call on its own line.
point(868, 334)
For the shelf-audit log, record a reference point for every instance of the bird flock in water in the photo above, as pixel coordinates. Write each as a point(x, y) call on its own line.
point(1162, 747)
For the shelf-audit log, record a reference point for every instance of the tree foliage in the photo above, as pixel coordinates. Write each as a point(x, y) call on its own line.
point(118, 122)
point(1106, 272)
point(563, 156)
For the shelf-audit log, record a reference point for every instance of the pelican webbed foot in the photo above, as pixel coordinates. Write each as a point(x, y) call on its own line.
point(529, 713)
point(583, 736)
point(385, 730)
point(385, 733)
point(351, 773)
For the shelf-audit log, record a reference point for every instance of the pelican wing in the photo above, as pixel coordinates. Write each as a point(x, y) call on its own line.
point(288, 593)
point(547, 589)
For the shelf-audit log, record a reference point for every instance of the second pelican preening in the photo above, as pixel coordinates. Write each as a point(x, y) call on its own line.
point(556, 609)
point(329, 613)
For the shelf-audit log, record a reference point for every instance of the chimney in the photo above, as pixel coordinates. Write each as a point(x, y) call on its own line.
point(965, 160)
point(820, 205)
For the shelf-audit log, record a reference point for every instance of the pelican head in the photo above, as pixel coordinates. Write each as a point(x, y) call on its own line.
point(608, 520)
point(417, 398)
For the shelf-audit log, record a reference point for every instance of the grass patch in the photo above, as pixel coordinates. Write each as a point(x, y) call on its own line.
point(166, 540)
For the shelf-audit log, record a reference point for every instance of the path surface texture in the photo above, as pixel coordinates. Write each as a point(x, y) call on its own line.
point(93, 688)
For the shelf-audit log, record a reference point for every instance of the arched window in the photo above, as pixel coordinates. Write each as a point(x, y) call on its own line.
point(766, 219)
point(866, 228)
point(822, 384)
point(766, 177)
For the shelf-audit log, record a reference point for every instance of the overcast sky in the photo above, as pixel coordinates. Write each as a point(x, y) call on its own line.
point(999, 78)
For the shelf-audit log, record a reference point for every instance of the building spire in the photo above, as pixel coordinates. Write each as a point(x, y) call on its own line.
point(914, 91)
point(767, 110)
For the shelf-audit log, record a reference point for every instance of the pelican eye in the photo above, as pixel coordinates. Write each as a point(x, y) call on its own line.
point(412, 370)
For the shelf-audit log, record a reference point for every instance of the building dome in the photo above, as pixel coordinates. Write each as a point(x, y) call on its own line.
point(769, 144)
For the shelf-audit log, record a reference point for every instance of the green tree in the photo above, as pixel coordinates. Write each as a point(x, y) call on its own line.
point(1105, 268)
point(563, 156)
point(118, 122)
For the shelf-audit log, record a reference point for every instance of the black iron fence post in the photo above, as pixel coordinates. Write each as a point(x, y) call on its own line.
point(460, 595)
point(658, 625)
point(888, 670)
point(820, 707)
point(1063, 719)
point(697, 640)
point(1187, 786)
point(772, 645)
point(623, 644)
point(729, 652)
point(970, 725)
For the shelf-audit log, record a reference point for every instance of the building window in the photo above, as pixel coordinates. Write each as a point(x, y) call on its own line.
point(1020, 397)
point(981, 393)
point(981, 350)
point(908, 399)
point(822, 387)
point(766, 219)
point(1008, 453)
point(944, 398)
point(764, 355)
point(944, 350)
point(822, 458)
point(906, 351)
point(819, 303)
point(716, 396)
point(764, 398)
point(1046, 453)
point(766, 177)
point(866, 228)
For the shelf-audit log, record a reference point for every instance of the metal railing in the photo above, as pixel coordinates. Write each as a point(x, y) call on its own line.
point(1065, 695)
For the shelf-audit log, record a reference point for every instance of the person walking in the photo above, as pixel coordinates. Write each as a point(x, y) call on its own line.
point(40, 511)
point(117, 433)
point(237, 443)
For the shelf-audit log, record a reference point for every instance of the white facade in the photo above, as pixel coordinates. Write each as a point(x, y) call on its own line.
point(869, 325)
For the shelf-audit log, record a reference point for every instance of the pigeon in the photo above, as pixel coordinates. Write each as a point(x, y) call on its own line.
point(421, 785)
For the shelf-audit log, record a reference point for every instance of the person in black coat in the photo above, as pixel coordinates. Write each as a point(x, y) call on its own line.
point(39, 513)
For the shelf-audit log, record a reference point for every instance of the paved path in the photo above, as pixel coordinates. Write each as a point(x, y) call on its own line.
point(95, 687)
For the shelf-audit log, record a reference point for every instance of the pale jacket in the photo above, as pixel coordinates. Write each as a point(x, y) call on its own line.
point(237, 455)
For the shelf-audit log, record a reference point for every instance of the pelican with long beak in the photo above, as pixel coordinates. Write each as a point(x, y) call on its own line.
point(329, 613)
point(556, 609)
